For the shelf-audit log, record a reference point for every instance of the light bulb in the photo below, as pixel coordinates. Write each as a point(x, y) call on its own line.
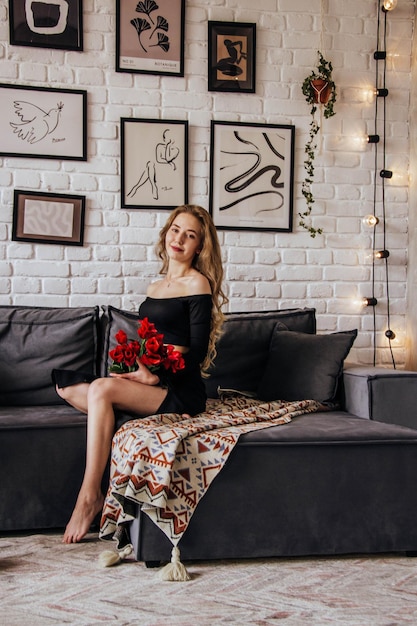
point(369, 301)
point(389, 5)
point(382, 92)
point(385, 174)
point(382, 254)
point(373, 138)
point(370, 221)
point(389, 334)
point(379, 55)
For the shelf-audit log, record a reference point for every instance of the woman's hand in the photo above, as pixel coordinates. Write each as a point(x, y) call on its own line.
point(141, 375)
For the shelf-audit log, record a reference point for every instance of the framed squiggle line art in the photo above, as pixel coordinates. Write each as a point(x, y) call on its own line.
point(252, 176)
point(40, 217)
point(150, 36)
point(46, 23)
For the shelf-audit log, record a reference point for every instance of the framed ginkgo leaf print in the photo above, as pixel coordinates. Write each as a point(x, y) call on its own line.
point(150, 36)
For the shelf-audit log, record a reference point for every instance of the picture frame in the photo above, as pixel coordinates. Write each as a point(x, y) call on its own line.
point(52, 218)
point(46, 23)
point(252, 176)
point(43, 122)
point(150, 36)
point(154, 163)
point(231, 56)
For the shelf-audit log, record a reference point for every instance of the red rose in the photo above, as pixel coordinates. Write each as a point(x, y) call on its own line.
point(146, 329)
point(117, 354)
point(131, 351)
point(121, 336)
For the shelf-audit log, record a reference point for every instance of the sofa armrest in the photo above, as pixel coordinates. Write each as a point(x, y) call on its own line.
point(381, 394)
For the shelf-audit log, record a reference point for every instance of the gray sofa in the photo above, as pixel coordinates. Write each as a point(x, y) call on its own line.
point(334, 482)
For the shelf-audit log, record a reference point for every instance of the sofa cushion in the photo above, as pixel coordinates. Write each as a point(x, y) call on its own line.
point(242, 350)
point(35, 340)
point(114, 319)
point(301, 366)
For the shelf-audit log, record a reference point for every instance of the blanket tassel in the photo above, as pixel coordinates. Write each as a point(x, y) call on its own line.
point(108, 558)
point(174, 571)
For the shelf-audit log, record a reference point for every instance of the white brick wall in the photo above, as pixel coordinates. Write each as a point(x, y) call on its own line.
point(263, 270)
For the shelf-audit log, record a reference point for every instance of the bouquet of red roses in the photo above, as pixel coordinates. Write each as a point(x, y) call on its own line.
point(148, 349)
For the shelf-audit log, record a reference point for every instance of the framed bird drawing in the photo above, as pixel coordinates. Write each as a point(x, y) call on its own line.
point(43, 123)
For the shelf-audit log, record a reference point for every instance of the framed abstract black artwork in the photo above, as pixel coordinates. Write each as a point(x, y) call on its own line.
point(252, 176)
point(46, 23)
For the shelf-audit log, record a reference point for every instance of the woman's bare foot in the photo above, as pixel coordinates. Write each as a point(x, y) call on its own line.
point(86, 509)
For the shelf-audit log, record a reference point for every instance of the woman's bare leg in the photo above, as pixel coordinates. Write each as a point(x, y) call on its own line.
point(103, 395)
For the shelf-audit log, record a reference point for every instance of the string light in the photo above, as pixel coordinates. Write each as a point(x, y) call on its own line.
point(385, 174)
point(369, 301)
point(389, 5)
point(381, 254)
point(371, 221)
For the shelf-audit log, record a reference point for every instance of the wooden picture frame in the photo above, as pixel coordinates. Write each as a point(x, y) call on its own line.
point(231, 56)
point(46, 23)
point(154, 163)
point(252, 176)
point(150, 36)
point(42, 122)
point(51, 218)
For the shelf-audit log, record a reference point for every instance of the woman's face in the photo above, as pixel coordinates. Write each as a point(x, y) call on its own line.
point(183, 239)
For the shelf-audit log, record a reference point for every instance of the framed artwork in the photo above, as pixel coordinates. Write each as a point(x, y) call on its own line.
point(46, 23)
point(48, 218)
point(231, 56)
point(154, 163)
point(252, 176)
point(43, 122)
point(150, 36)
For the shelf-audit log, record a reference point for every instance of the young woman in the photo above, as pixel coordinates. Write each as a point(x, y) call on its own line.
point(185, 305)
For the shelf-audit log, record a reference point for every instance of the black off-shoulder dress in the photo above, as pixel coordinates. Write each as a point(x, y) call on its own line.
point(184, 321)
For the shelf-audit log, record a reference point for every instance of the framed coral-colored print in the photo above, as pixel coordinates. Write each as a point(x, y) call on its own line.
point(46, 23)
point(154, 163)
point(252, 176)
point(150, 36)
point(231, 56)
point(48, 218)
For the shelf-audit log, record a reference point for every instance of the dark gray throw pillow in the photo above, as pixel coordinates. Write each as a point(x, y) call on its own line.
point(36, 340)
point(301, 366)
point(114, 320)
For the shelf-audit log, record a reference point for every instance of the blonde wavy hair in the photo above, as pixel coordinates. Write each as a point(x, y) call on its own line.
point(208, 262)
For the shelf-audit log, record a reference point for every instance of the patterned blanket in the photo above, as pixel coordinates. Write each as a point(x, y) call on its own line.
point(165, 464)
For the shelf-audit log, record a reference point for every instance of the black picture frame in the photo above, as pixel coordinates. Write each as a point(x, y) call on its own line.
point(150, 37)
point(52, 218)
point(154, 163)
point(231, 56)
point(42, 122)
point(252, 176)
point(46, 23)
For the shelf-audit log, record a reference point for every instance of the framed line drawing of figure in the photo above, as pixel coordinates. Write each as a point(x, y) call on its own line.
point(154, 163)
point(46, 23)
point(252, 176)
point(231, 56)
point(150, 36)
